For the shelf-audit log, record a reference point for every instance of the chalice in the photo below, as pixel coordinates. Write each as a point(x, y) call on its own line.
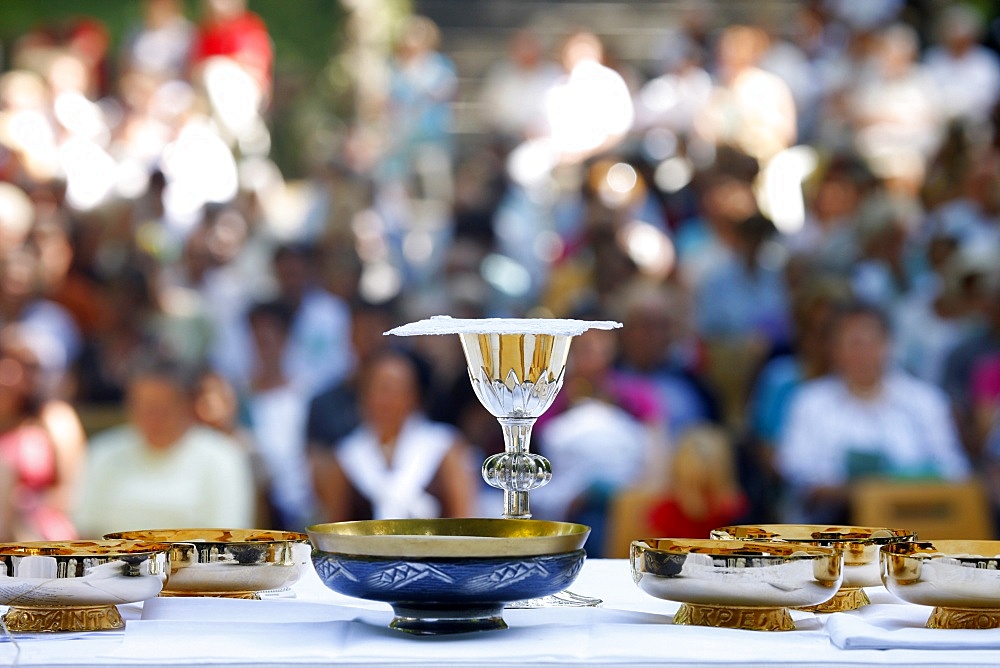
point(516, 367)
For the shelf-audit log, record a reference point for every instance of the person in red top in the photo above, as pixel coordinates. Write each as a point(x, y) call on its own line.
point(704, 493)
point(230, 30)
point(40, 475)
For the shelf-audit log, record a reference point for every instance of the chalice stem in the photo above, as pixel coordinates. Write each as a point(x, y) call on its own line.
point(516, 506)
point(516, 440)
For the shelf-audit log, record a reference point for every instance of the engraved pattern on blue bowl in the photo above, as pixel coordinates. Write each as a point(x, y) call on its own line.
point(447, 595)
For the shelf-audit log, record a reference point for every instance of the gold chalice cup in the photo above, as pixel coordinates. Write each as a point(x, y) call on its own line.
point(960, 578)
point(76, 585)
point(229, 563)
point(736, 584)
point(859, 545)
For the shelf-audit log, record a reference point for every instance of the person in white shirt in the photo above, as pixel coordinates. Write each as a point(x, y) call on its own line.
point(967, 74)
point(277, 413)
point(863, 420)
point(318, 351)
point(515, 87)
point(397, 463)
point(160, 470)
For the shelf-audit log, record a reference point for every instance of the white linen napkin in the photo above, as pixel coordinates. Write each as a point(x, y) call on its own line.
point(443, 324)
point(174, 642)
point(902, 626)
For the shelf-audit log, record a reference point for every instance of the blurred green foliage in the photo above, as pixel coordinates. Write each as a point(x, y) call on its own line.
point(306, 34)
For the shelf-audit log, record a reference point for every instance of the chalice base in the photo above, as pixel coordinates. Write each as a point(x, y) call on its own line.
point(964, 618)
point(850, 598)
point(64, 618)
point(738, 617)
point(439, 620)
point(247, 595)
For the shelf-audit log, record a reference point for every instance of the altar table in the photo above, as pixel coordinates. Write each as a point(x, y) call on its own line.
point(311, 625)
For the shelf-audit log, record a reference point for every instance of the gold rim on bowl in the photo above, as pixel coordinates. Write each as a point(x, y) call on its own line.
point(448, 537)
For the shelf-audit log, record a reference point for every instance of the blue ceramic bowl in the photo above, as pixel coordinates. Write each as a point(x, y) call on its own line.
point(448, 576)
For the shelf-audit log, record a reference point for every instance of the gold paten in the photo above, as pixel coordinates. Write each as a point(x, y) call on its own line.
point(726, 617)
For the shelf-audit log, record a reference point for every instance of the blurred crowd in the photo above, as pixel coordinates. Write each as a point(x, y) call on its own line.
point(798, 226)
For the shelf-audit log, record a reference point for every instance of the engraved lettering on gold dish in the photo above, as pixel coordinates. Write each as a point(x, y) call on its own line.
point(847, 598)
point(964, 618)
point(68, 618)
point(245, 595)
point(750, 619)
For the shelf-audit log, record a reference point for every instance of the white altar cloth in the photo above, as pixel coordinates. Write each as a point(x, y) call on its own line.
point(320, 627)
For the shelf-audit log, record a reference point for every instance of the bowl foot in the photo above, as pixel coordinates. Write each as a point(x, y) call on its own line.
point(964, 618)
point(850, 598)
point(735, 617)
point(426, 620)
point(68, 618)
point(250, 595)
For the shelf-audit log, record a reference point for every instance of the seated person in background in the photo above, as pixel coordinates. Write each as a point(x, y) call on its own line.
point(41, 446)
point(276, 411)
point(396, 463)
point(161, 469)
point(8, 513)
point(863, 419)
point(703, 491)
point(217, 406)
point(333, 413)
point(655, 346)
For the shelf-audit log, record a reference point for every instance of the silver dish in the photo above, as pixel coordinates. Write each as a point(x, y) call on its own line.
point(961, 579)
point(75, 585)
point(230, 563)
point(860, 546)
point(734, 583)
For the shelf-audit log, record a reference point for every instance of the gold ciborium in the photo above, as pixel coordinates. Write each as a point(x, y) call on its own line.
point(516, 367)
point(959, 578)
point(76, 585)
point(228, 563)
point(859, 545)
point(736, 584)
